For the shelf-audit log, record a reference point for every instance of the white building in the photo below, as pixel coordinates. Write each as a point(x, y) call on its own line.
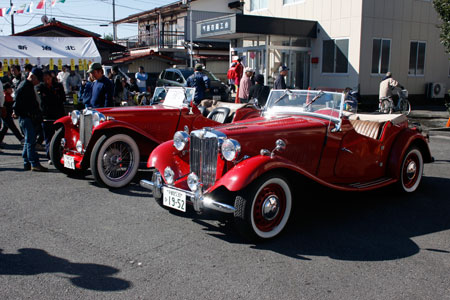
point(354, 44)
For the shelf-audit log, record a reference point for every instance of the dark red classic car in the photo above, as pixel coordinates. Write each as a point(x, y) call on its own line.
point(113, 141)
point(250, 168)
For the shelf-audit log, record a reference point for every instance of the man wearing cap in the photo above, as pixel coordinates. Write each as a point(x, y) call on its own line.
point(280, 83)
point(245, 85)
point(201, 83)
point(26, 106)
point(102, 89)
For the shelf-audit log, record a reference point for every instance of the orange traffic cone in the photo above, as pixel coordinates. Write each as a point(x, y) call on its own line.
point(448, 123)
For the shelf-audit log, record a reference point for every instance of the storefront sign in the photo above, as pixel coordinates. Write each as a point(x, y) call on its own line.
point(216, 26)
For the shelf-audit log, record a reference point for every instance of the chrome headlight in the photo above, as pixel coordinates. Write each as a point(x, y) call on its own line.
point(231, 149)
point(75, 116)
point(180, 140)
point(193, 182)
point(79, 146)
point(98, 118)
point(169, 175)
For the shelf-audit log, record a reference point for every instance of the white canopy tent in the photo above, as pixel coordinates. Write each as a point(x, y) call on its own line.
point(48, 50)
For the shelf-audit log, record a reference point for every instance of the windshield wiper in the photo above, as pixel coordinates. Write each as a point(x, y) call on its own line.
point(286, 92)
point(320, 94)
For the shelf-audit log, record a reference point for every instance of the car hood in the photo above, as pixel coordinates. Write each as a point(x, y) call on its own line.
point(262, 133)
point(127, 111)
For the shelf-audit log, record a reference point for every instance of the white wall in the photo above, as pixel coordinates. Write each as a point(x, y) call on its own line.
point(337, 19)
point(403, 21)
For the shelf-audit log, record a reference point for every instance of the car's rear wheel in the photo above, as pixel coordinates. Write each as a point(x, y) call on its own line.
point(56, 153)
point(411, 170)
point(263, 208)
point(115, 160)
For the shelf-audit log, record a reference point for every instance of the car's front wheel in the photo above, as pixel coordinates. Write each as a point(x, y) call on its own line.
point(412, 170)
point(56, 153)
point(115, 160)
point(263, 208)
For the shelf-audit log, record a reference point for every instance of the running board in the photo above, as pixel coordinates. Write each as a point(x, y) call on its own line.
point(367, 185)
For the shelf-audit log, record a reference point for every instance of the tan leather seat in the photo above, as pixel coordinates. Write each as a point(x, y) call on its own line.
point(367, 128)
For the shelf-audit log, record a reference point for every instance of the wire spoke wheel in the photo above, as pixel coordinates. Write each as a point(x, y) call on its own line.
point(115, 160)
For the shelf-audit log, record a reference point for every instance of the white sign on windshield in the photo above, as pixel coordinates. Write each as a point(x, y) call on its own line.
point(175, 97)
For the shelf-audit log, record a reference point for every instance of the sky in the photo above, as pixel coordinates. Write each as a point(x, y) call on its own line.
point(86, 14)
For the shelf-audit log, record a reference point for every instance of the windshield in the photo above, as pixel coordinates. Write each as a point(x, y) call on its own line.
point(188, 72)
point(304, 101)
point(178, 95)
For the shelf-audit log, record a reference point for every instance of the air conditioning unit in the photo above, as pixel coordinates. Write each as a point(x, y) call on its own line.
point(436, 90)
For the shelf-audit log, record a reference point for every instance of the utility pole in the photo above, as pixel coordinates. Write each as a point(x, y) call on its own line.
point(114, 21)
point(12, 17)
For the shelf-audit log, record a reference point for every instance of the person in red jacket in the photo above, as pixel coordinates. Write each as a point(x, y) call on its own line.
point(239, 71)
point(231, 75)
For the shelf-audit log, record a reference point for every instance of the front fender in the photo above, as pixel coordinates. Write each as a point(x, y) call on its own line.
point(248, 170)
point(406, 139)
point(71, 132)
point(124, 125)
point(165, 155)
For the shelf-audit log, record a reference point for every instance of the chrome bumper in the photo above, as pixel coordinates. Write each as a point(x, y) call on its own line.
point(198, 200)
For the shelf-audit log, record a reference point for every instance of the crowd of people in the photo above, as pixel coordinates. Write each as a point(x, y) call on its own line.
point(36, 97)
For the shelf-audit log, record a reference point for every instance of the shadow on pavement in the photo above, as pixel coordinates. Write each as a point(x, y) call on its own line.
point(31, 261)
point(369, 226)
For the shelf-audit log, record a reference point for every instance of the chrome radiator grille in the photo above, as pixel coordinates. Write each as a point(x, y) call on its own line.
point(203, 157)
point(85, 128)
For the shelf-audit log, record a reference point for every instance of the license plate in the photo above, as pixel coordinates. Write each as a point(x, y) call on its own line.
point(69, 162)
point(217, 97)
point(174, 199)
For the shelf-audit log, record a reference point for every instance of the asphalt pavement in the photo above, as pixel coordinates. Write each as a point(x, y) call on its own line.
point(67, 238)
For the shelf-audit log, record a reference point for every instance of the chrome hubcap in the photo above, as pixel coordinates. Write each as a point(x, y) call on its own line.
point(411, 170)
point(270, 207)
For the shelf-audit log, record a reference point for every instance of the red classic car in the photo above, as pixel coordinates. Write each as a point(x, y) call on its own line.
point(250, 168)
point(113, 141)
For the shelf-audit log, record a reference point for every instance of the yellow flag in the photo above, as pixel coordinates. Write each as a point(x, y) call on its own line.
point(27, 61)
point(17, 61)
point(5, 65)
point(85, 65)
point(51, 64)
point(60, 64)
point(11, 62)
point(72, 64)
point(80, 65)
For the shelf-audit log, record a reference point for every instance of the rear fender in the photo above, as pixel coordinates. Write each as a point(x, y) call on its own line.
point(406, 139)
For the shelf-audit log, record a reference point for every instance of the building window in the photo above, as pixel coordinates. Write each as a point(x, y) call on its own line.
point(335, 56)
point(258, 4)
point(292, 1)
point(417, 58)
point(381, 54)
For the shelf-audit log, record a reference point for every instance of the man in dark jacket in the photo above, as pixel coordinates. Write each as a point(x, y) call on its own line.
point(200, 81)
point(26, 106)
point(280, 83)
point(52, 97)
point(102, 89)
point(259, 91)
